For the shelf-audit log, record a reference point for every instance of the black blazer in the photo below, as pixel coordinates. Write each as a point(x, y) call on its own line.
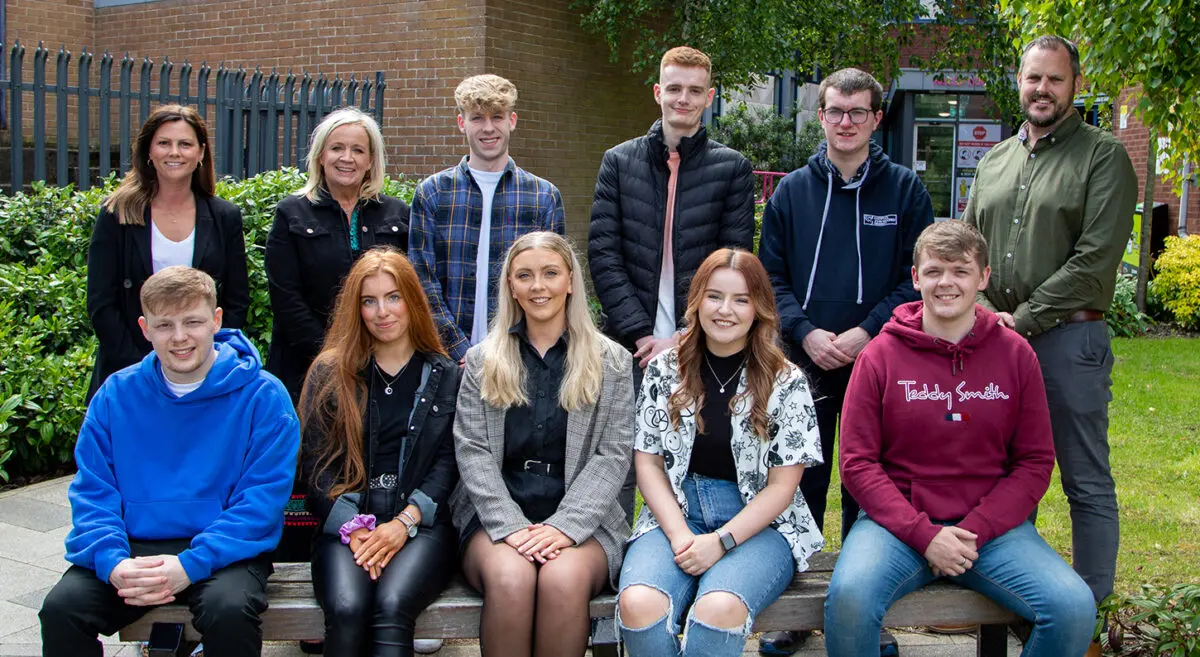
point(119, 262)
point(308, 255)
point(430, 467)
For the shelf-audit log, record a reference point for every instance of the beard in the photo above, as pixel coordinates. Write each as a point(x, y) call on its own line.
point(1057, 113)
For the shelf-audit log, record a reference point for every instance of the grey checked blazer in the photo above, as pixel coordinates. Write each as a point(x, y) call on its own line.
point(599, 452)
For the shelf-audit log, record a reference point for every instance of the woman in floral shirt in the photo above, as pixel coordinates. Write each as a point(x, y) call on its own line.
point(725, 428)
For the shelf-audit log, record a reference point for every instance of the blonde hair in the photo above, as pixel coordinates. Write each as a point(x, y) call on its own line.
point(177, 287)
point(372, 183)
point(485, 94)
point(953, 240)
point(503, 383)
point(687, 57)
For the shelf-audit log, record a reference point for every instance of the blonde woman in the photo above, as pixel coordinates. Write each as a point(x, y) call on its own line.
point(320, 231)
point(543, 436)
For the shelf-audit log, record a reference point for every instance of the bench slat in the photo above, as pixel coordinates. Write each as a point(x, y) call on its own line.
point(295, 615)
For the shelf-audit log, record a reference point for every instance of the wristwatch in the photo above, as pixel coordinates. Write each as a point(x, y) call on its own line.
point(727, 540)
point(409, 522)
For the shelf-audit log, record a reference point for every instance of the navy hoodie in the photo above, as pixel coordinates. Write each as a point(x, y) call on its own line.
point(861, 236)
point(215, 465)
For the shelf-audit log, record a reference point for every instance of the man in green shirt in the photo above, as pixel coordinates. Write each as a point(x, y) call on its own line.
point(1056, 205)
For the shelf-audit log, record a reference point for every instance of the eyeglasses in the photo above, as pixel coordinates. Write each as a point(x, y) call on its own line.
point(833, 115)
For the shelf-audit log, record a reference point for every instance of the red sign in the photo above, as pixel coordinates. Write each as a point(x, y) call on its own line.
point(980, 132)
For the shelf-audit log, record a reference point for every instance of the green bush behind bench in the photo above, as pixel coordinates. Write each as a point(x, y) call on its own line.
point(47, 340)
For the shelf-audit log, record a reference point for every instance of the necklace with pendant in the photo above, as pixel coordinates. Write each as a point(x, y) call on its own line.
point(387, 385)
point(723, 384)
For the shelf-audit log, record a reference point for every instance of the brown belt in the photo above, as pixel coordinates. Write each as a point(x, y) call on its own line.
point(1085, 315)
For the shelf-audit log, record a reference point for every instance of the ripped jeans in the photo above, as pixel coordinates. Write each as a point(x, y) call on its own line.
point(756, 571)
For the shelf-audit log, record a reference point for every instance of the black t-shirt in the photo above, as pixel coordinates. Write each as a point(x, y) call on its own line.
point(712, 455)
point(394, 411)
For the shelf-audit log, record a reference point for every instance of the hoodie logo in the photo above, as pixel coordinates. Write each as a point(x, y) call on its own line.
point(925, 393)
point(879, 220)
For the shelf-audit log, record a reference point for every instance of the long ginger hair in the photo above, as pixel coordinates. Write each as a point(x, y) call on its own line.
point(765, 361)
point(334, 396)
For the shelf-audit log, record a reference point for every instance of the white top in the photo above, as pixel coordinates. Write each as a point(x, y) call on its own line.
point(487, 181)
point(166, 253)
point(181, 389)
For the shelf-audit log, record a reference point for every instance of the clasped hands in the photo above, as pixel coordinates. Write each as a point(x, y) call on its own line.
point(373, 550)
point(538, 542)
point(149, 581)
point(830, 351)
point(695, 554)
point(952, 551)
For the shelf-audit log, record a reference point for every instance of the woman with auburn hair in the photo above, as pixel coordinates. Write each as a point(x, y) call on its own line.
point(376, 415)
point(321, 230)
point(725, 428)
point(543, 437)
point(163, 213)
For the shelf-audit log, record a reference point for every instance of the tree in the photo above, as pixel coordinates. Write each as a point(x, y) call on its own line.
point(749, 38)
point(1151, 48)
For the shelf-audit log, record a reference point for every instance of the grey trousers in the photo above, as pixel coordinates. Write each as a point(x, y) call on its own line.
point(1077, 364)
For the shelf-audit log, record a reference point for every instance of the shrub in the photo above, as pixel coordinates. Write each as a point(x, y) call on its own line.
point(44, 327)
point(1158, 621)
point(1123, 318)
point(767, 139)
point(1177, 284)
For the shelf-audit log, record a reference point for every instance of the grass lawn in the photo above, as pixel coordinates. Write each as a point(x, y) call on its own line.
point(1154, 435)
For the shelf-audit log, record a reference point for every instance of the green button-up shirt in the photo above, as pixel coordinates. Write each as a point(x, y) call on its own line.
point(1057, 218)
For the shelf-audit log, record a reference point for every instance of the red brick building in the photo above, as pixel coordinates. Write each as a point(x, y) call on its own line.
point(1135, 136)
point(573, 103)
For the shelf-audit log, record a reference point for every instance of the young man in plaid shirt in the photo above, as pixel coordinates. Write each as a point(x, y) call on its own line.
point(464, 218)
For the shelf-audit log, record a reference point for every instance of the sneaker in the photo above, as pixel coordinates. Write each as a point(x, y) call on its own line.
point(782, 643)
point(426, 646)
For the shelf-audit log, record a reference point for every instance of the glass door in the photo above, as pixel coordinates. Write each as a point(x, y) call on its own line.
point(933, 161)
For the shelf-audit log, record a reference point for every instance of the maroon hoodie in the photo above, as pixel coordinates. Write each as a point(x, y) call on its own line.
point(937, 432)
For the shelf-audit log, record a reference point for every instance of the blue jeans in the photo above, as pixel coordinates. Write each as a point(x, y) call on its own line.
point(756, 571)
point(1017, 570)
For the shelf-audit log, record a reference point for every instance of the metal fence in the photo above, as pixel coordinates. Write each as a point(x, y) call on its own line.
point(257, 121)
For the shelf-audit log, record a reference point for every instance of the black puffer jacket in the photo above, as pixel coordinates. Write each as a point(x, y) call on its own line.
point(714, 208)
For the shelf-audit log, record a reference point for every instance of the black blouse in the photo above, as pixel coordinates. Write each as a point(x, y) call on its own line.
point(535, 436)
point(394, 412)
point(712, 455)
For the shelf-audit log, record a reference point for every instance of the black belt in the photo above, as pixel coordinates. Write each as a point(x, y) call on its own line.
point(542, 468)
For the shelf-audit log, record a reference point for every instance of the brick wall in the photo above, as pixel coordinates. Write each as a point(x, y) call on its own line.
point(1135, 137)
point(573, 104)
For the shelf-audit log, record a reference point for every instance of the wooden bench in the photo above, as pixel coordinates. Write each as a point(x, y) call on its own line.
point(294, 614)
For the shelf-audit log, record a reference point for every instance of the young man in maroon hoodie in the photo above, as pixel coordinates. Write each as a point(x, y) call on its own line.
point(946, 445)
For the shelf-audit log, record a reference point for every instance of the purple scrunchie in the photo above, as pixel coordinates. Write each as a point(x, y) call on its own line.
point(357, 522)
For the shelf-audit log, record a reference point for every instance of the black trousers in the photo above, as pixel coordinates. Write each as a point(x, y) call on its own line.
point(365, 618)
point(225, 607)
point(828, 389)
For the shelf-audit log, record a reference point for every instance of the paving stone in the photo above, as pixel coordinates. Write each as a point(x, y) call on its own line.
point(33, 514)
point(54, 492)
point(33, 599)
point(14, 618)
point(20, 578)
point(27, 545)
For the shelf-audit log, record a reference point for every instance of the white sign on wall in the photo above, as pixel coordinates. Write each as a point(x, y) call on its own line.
point(974, 141)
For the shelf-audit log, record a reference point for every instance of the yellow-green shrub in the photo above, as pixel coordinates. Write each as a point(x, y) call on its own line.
point(1177, 284)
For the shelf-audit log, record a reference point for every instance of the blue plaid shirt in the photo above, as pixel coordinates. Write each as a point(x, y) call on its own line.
point(443, 239)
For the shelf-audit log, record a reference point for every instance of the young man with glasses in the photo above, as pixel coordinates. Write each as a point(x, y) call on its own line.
point(837, 240)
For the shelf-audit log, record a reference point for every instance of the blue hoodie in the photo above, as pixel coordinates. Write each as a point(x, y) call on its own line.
point(840, 255)
point(215, 465)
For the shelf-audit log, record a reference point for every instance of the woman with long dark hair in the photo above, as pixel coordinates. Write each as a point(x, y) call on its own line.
point(725, 427)
point(163, 213)
point(543, 437)
point(377, 415)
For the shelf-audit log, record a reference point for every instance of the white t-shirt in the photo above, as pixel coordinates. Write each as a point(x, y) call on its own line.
point(166, 253)
point(181, 389)
point(487, 181)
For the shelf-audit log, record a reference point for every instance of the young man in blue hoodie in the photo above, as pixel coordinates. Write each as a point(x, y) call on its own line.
point(185, 463)
point(837, 240)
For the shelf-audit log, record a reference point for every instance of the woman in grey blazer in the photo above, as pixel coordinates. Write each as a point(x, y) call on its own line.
point(544, 438)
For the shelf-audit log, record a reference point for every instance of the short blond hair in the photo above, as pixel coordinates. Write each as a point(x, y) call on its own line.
point(173, 288)
point(485, 94)
point(952, 240)
point(372, 183)
point(685, 56)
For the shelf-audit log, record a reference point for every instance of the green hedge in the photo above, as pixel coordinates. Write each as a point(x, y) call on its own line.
point(47, 338)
